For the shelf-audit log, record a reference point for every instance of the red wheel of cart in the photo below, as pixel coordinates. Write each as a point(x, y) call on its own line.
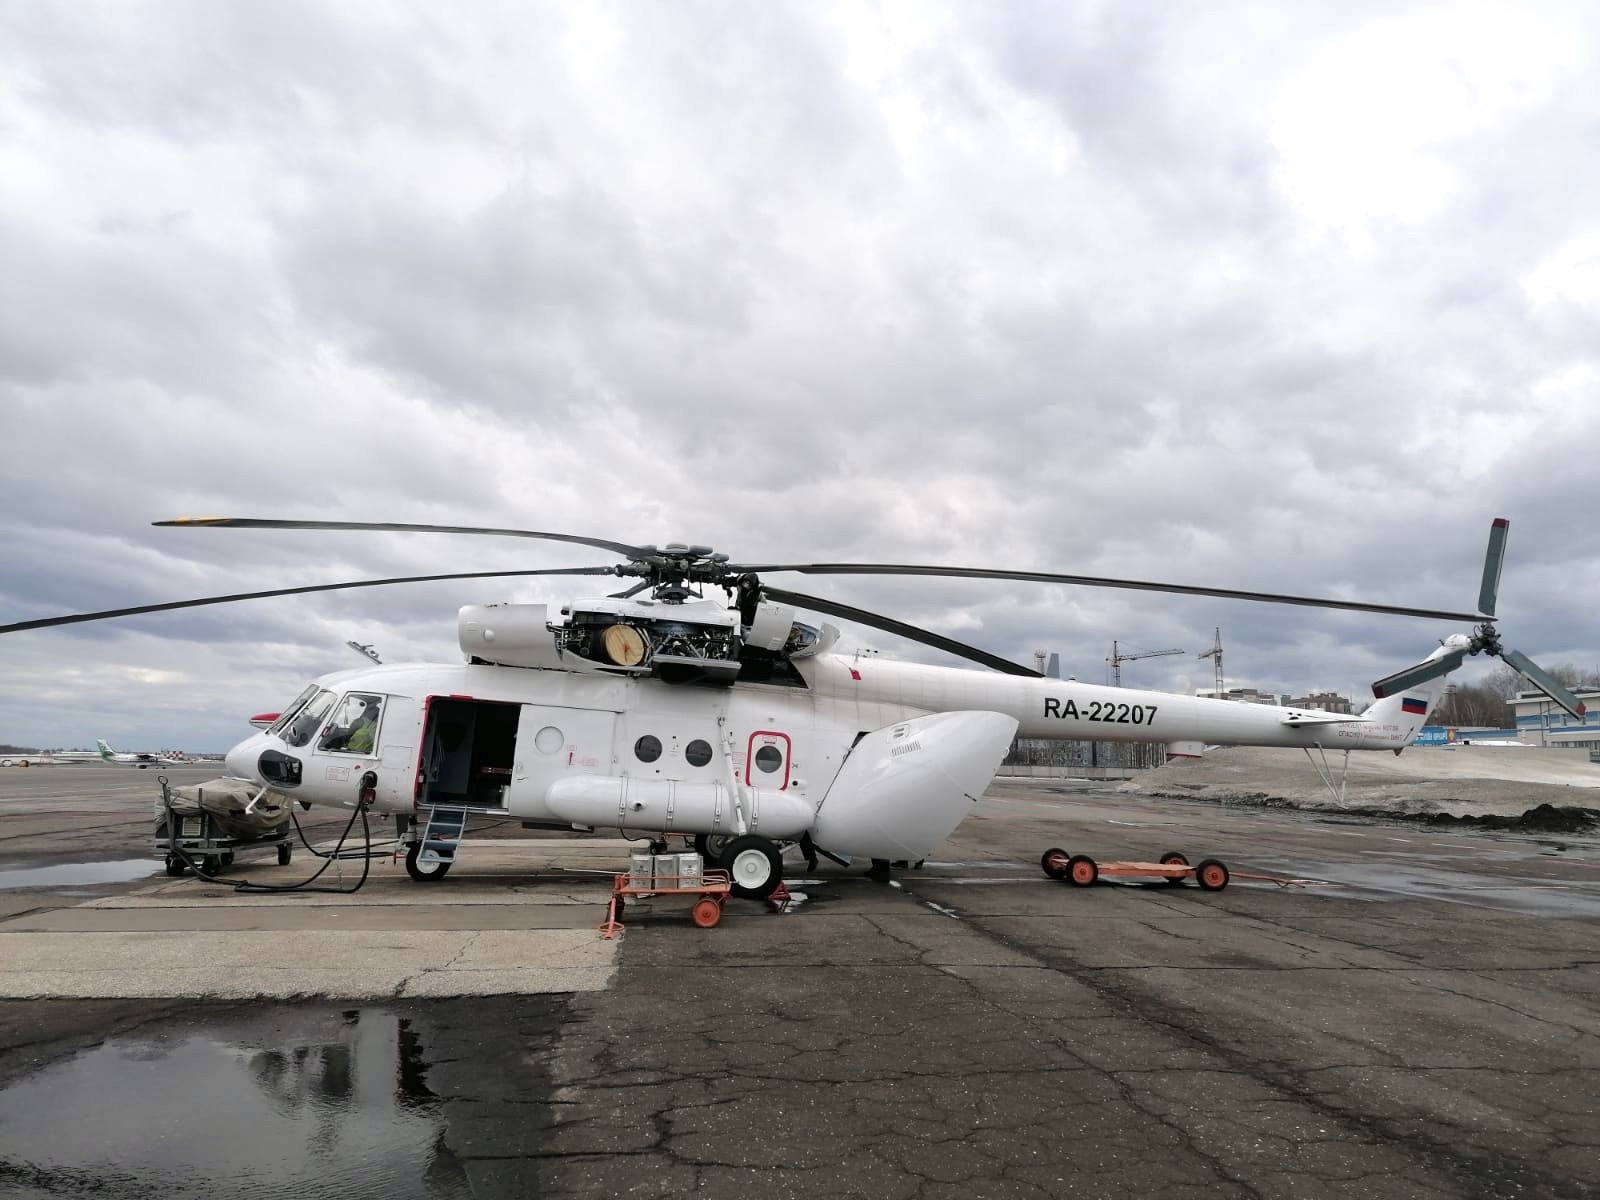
point(1173, 859)
point(1211, 875)
point(1082, 870)
point(706, 912)
point(1054, 862)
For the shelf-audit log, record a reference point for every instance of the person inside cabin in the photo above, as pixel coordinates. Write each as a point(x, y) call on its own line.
point(353, 736)
point(365, 730)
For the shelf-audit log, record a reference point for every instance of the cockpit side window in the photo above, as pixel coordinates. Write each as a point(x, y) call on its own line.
point(282, 723)
point(299, 730)
point(354, 727)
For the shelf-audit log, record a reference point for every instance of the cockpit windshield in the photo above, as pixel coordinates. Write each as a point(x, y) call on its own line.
point(300, 728)
point(289, 714)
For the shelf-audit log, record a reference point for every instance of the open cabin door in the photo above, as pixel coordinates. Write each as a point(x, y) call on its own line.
point(468, 749)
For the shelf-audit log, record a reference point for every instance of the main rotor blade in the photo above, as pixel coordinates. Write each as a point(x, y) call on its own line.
point(1102, 581)
point(77, 618)
point(1433, 668)
point(1546, 682)
point(890, 625)
point(1493, 560)
point(622, 548)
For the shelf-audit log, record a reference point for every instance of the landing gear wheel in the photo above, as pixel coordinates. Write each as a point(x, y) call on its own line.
point(1173, 859)
point(1211, 875)
point(423, 872)
point(1082, 871)
point(176, 866)
point(1054, 862)
point(210, 865)
point(706, 913)
point(880, 872)
point(285, 853)
point(754, 865)
point(709, 846)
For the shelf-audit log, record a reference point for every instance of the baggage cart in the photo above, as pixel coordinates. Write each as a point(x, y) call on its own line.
point(710, 888)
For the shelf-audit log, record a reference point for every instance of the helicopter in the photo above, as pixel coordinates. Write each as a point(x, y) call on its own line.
point(734, 721)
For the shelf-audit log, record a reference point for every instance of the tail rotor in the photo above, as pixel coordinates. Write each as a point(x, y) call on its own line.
point(1485, 639)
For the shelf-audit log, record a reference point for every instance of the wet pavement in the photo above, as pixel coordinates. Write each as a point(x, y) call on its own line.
point(1422, 1021)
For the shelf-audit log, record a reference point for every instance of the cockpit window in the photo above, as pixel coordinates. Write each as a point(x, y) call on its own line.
point(354, 728)
point(299, 730)
point(288, 714)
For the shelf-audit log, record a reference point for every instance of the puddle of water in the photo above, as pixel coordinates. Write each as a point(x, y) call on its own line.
point(124, 870)
point(298, 1103)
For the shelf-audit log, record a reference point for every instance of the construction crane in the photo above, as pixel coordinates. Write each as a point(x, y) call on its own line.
point(1117, 659)
point(1215, 653)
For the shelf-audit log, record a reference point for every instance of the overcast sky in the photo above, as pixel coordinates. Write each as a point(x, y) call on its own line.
point(1293, 298)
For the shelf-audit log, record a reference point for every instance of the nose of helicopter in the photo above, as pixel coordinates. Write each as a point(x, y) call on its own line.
point(241, 760)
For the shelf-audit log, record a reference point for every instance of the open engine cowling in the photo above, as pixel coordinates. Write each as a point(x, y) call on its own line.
point(905, 787)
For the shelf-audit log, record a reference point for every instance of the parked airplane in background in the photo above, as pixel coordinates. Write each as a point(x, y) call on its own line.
point(140, 760)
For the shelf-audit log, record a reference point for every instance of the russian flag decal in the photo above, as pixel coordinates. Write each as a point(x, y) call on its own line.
point(1412, 705)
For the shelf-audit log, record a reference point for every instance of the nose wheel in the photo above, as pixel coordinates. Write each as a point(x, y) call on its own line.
point(423, 872)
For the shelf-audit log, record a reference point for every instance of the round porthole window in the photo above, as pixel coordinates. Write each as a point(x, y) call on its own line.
point(698, 752)
point(548, 740)
point(647, 748)
point(769, 759)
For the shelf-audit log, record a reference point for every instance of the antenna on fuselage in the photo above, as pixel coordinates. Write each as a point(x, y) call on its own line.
point(365, 652)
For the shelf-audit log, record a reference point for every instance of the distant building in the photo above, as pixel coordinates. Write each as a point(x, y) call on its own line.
point(1543, 722)
point(1322, 701)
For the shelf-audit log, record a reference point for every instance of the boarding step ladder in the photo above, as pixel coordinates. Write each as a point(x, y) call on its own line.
point(443, 833)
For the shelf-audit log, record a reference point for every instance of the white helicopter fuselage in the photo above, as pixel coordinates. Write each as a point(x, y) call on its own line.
point(866, 756)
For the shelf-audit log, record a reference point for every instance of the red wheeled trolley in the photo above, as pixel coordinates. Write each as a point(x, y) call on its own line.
point(711, 887)
point(1081, 871)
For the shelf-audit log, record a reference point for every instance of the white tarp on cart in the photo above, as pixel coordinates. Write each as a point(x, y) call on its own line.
point(225, 800)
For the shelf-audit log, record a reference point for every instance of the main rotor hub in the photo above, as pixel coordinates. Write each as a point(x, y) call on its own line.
point(675, 570)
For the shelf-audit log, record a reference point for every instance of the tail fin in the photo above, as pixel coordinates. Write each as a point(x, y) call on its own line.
point(1408, 706)
point(106, 752)
point(1407, 709)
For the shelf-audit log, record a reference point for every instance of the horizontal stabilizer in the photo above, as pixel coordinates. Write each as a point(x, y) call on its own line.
point(1301, 717)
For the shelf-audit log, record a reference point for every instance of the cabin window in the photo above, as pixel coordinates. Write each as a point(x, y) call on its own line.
point(298, 731)
point(354, 727)
point(697, 752)
point(647, 748)
point(769, 759)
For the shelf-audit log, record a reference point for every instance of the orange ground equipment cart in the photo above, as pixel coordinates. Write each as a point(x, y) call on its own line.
point(710, 887)
point(1082, 871)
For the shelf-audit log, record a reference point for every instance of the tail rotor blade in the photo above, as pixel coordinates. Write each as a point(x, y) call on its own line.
point(1546, 682)
point(1430, 669)
point(1493, 560)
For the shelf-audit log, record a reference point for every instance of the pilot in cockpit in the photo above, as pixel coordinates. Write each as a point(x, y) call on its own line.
point(364, 731)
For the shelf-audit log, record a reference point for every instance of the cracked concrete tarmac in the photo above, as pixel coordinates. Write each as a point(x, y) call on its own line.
point(979, 1030)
